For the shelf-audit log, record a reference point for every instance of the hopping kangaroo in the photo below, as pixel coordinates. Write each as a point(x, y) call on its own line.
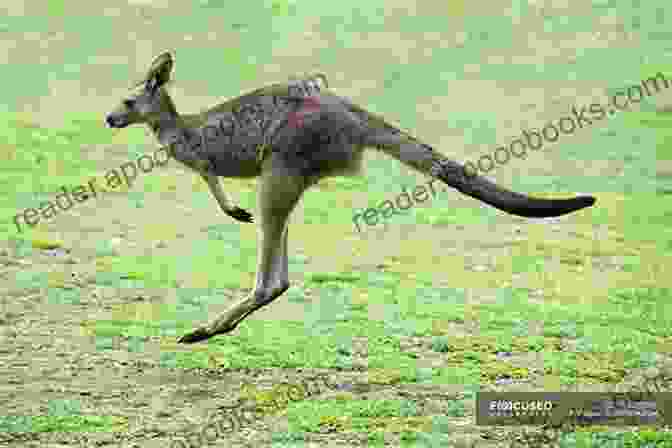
point(291, 135)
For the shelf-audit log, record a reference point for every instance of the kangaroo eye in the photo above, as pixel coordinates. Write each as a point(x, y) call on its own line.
point(129, 103)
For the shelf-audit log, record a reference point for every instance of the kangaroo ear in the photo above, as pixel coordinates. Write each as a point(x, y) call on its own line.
point(160, 70)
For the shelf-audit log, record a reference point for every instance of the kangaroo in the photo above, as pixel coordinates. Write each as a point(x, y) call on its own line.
point(291, 135)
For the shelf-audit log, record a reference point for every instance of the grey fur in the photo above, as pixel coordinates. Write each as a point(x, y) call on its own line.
point(291, 135)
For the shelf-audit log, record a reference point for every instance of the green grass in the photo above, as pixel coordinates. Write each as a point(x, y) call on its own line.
point(617, 324)
point(345, 412)
point(612, 335)
point(38, 161)
point(62, 416)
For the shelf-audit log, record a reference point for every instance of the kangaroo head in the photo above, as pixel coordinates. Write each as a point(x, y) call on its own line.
point(150, 102)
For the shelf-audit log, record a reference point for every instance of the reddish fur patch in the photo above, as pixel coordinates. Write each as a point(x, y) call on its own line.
point(309, 104)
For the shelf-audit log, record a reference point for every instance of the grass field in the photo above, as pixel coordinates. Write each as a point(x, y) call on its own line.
point(445, 300)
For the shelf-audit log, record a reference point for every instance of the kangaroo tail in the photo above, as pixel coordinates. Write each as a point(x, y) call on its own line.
point(426, 160)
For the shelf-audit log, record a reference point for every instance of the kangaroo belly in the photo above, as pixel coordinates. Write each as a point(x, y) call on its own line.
point(234, 161)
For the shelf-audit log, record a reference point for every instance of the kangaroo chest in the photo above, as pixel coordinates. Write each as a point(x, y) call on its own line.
point(230, 140)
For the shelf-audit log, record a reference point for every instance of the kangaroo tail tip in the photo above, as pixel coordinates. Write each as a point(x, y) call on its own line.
point(587, 201)
point(564, 206)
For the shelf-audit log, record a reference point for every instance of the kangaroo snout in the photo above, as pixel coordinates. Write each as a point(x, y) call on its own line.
point(115, 122)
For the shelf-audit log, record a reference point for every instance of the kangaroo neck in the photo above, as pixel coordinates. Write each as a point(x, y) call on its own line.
point(168, 125)
point(167, 128)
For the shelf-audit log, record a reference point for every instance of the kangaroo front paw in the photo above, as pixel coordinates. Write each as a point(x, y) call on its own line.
point(240, 214)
